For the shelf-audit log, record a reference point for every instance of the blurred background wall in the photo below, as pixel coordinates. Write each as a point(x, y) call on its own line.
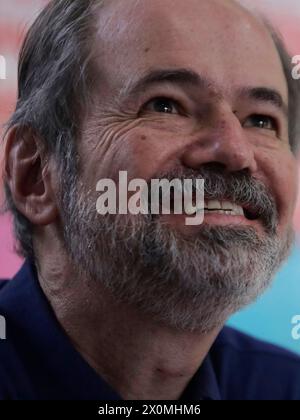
point(269, 318)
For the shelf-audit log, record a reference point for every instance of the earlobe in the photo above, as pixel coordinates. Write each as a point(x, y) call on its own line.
point(29, 176)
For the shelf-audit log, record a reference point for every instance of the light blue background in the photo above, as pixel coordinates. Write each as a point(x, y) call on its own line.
point(270, 317)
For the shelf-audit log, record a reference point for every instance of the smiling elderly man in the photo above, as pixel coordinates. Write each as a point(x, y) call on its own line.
point(134, 306)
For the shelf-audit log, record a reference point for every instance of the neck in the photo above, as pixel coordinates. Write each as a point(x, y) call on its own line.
point(138, 357)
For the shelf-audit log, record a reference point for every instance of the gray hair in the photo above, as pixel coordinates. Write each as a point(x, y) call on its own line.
point(55, 79)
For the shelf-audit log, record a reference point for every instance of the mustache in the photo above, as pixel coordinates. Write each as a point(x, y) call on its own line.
point(238, 187)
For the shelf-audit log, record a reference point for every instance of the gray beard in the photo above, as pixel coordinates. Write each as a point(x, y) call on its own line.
point(190, 284)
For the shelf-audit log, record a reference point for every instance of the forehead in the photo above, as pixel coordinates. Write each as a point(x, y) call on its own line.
point(215, 38)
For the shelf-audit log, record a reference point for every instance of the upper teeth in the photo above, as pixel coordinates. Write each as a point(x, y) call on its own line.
point(217, 206)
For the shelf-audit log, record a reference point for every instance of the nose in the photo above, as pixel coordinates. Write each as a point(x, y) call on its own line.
point(224, 142)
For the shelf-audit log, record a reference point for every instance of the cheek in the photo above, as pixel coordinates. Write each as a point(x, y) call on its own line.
point(144, 153)
point(288, 184)
point(141, 151)
point(281, 175)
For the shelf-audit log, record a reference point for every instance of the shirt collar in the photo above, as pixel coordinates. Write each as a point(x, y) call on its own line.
point(30, 309)
point(203, 386)
point(60, 372)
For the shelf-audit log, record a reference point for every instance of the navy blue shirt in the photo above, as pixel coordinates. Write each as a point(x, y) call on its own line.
point(38, 361)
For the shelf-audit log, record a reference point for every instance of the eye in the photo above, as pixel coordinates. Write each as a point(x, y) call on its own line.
point(162, 105)
point(263, 122)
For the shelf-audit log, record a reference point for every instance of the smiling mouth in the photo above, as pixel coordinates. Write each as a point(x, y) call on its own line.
point(225, 207)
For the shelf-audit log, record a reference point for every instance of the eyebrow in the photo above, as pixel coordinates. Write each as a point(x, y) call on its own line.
point(268, 95)
point(189, 78)
point(183, 77)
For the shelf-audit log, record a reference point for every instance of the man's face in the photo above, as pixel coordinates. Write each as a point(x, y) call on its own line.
point(228, 121)
point(195, 89)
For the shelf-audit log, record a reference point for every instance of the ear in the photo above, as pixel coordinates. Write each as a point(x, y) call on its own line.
point(29, 176)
